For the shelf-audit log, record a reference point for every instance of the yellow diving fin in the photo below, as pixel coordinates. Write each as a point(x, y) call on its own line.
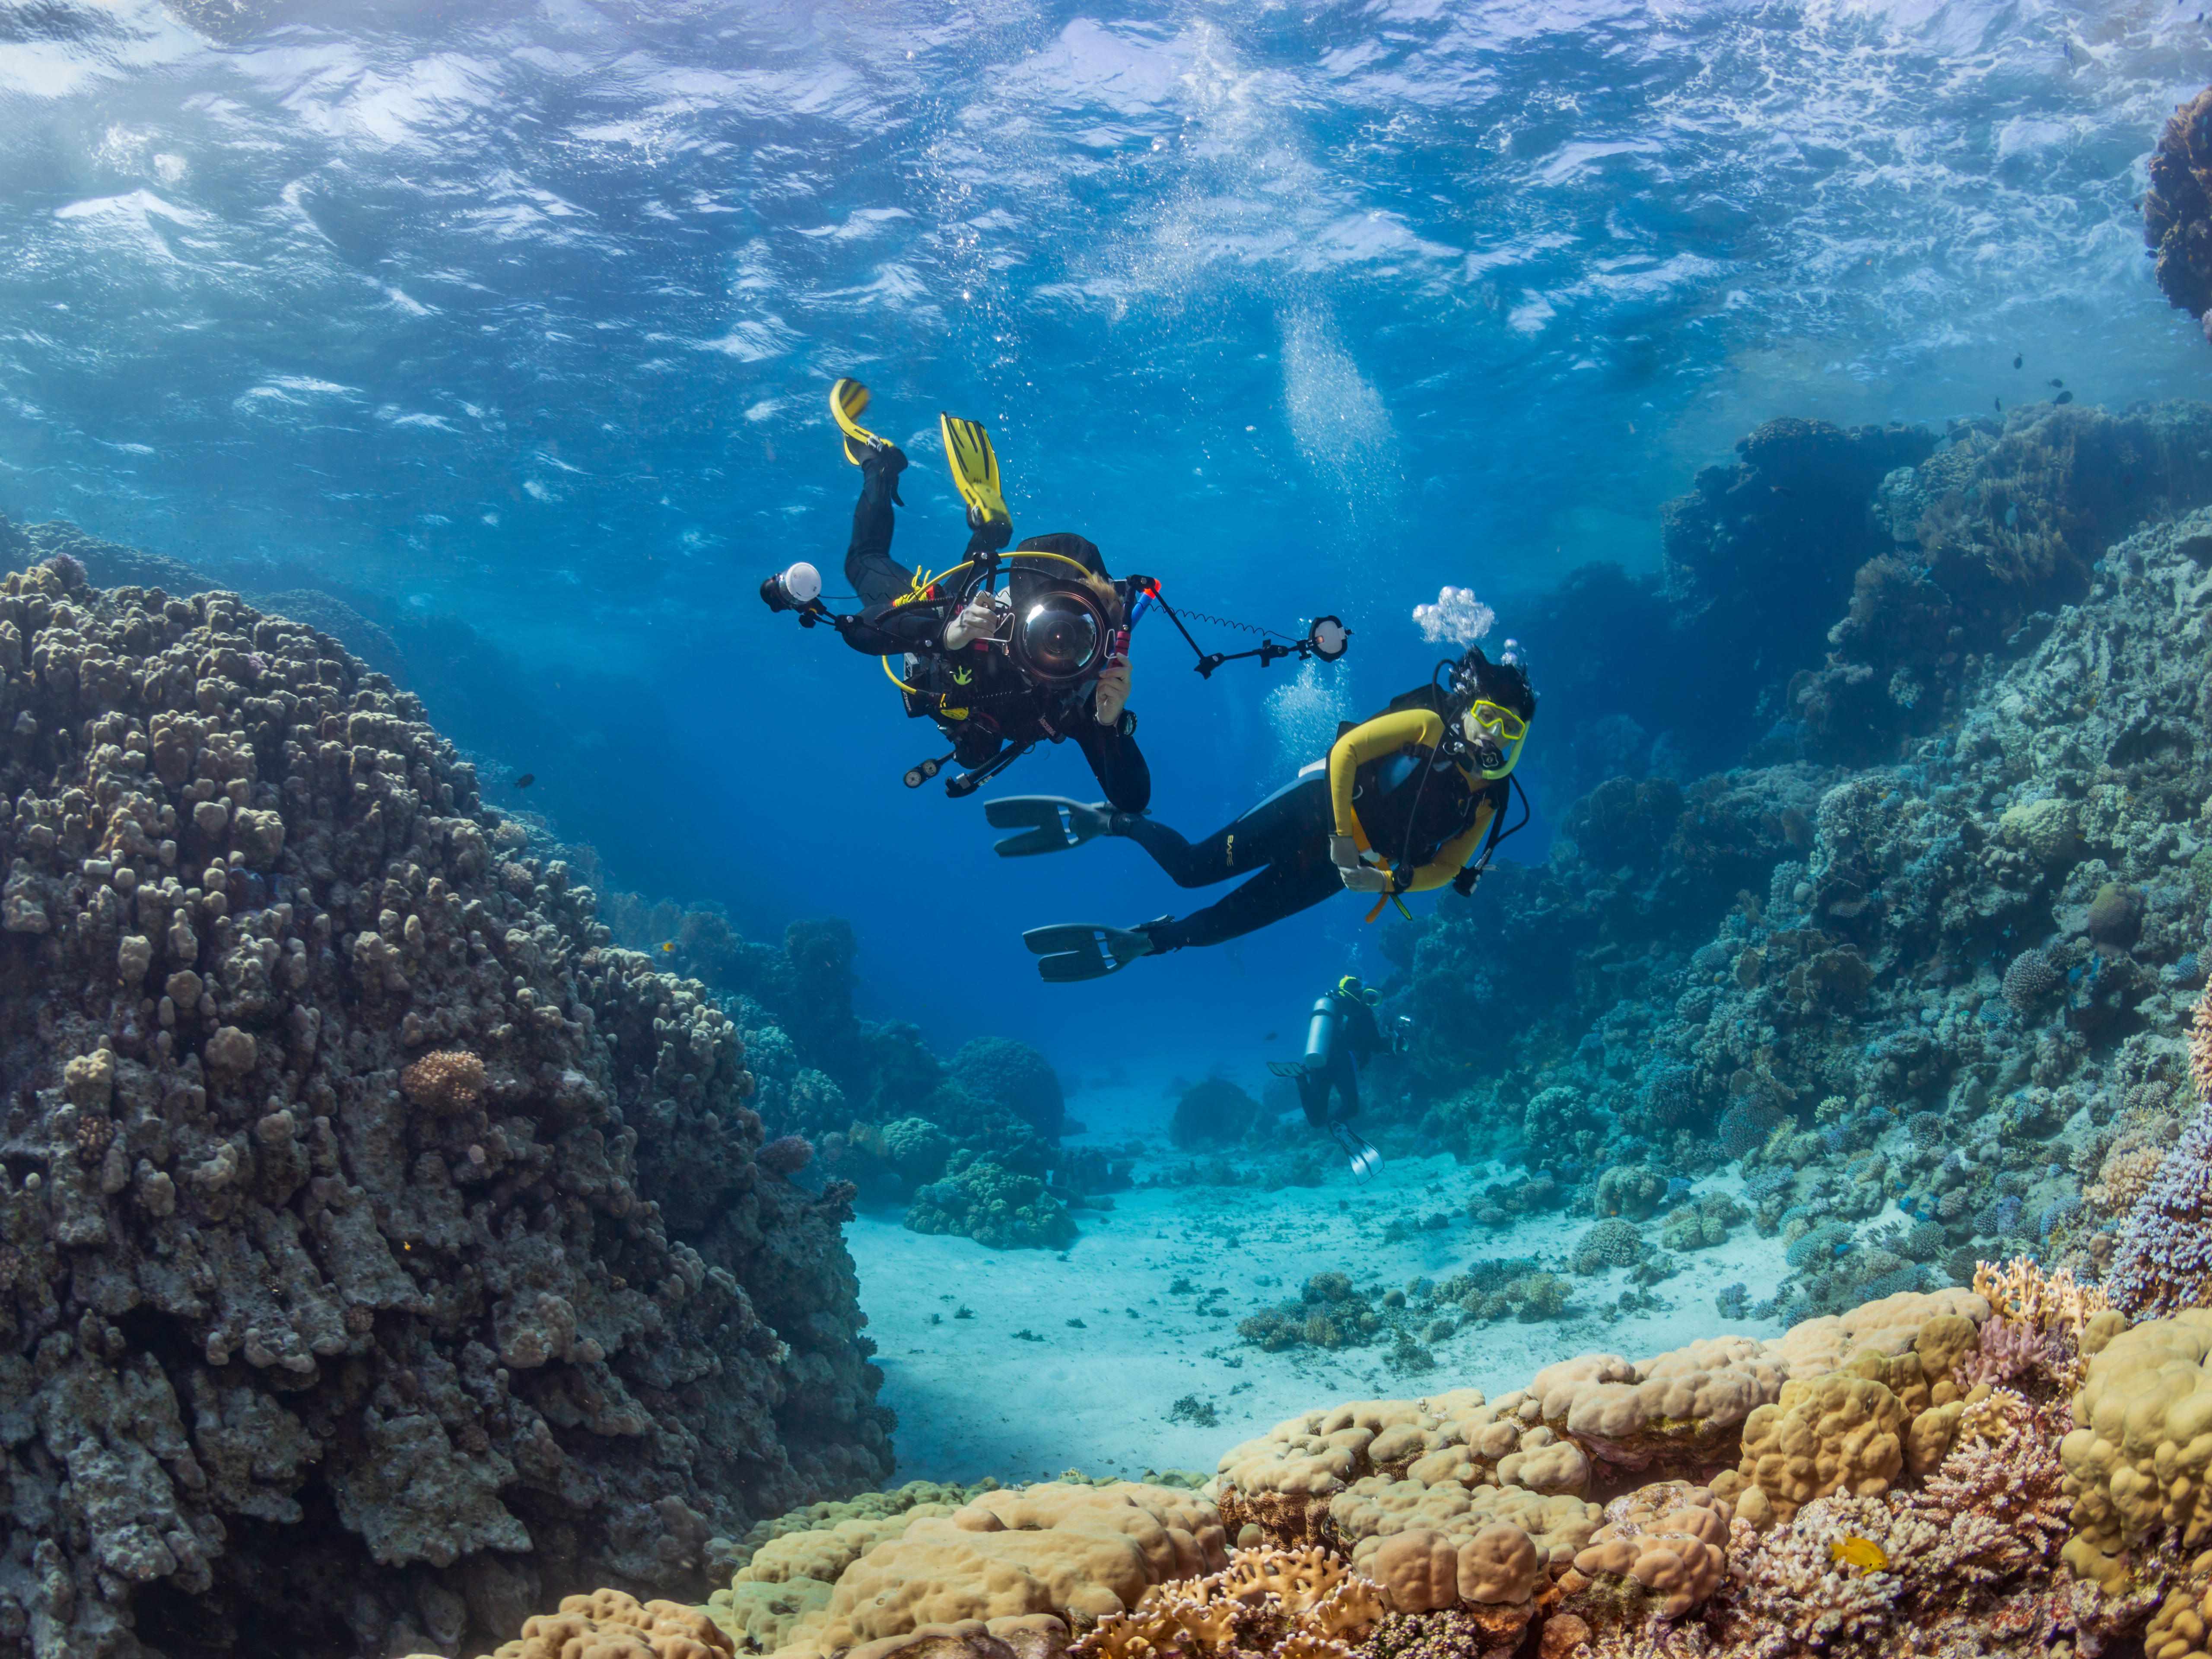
point(848, 401)
point(975, 471)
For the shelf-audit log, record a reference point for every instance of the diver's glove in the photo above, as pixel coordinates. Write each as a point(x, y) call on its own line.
point(979, 620)
point(1112, 695)
point(1358, 878)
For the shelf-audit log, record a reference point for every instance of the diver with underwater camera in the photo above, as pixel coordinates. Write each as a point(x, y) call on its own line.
point(999, 670)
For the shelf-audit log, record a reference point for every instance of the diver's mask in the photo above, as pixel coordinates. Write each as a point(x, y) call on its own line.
point(1493, 735)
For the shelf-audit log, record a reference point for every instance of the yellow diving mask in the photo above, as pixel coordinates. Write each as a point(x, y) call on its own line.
point(1494, 734)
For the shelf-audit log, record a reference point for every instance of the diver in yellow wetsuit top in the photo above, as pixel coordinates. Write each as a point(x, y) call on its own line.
point(1406, 802)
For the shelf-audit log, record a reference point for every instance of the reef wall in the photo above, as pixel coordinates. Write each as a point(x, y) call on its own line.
point(382, 1252)
point(1961, 887)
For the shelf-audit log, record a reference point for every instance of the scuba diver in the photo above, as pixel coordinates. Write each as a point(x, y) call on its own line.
point(1405, 803)
point(999, 671)
point(1343, 1031)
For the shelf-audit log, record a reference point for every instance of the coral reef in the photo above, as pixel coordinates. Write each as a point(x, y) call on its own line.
point(1212, 1112)
point(1842, 1489)
point(609, 1625)
point(1014, 1076)
point(357, 1294)
point(1944, 1014)
point(2177, 209)
point(994, 1206)
point(1269, 1602)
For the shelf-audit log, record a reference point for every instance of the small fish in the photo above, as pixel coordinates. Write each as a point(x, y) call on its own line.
point(1271, 1036)
point(2056, 381)
point(1780, 490)
point(667, 945)
point(526, 780)
point(2000, 402)
point(1861, 1552)
point(2063, 397)
point(2017, 360)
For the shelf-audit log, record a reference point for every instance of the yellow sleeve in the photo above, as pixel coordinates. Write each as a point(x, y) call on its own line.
point(1383, 735)
point(1451, 857)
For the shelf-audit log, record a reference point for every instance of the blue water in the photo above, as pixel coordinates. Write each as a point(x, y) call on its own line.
point(524, 314)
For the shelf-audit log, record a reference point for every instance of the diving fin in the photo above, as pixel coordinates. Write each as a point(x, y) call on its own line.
point(975, 471)
point(1050, 824)
point(848, 401)
point(1293, 1069)
point(1363, 1159)
point(1078, 951)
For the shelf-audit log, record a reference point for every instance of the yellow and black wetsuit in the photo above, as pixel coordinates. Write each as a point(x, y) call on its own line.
point(1003, 708)
point(1422, 815)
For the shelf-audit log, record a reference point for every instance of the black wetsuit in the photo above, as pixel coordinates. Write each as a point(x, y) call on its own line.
point(1408, 809)
point(1004, 708)
point(1343, 1031)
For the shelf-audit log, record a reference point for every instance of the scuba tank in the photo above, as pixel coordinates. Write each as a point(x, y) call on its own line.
point(1321, 1032)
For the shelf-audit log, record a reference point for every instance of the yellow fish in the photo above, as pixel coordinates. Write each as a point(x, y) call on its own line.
point(1862, 1552)
point(668, 944)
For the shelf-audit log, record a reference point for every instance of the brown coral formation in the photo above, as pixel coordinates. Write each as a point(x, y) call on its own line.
point(1075, 1553)
point(448, 1080)
point(2177, 209)
point(384, 1253)
point(609, 1625)
point(1933, 1521)
point(1301, 1606)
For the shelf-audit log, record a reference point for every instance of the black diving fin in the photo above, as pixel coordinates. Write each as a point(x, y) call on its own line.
point(1363, 1159)
point(1069, 951)
point(1049, 823)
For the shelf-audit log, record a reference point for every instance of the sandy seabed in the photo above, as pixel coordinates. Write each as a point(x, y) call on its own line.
point(1021, 1363)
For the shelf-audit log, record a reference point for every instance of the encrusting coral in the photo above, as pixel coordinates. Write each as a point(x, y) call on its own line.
point(1982, 1524)
point(380, 1252)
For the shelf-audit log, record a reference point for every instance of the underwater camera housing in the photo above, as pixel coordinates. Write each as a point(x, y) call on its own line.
point(1059, 634)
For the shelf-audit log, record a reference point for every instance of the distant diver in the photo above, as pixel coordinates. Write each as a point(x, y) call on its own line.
point(1405, 803)
point(999, 671)
point(1342, 1031)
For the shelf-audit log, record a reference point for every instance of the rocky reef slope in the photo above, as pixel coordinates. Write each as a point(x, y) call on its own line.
point(1960, 887)
point(381, 1252)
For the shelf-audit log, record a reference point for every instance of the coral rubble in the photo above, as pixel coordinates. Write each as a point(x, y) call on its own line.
point(383, 1252)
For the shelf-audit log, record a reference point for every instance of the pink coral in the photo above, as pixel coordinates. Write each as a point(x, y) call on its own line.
point(2002, 1351)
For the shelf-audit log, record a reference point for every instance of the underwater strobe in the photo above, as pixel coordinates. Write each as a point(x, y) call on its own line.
point(796, 589)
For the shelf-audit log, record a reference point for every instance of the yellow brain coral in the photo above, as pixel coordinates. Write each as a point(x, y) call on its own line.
point(1670, 1538)
point(1078, 1551)
point(609, 1625)
point(1833, 1433)
point(2138, 1461)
